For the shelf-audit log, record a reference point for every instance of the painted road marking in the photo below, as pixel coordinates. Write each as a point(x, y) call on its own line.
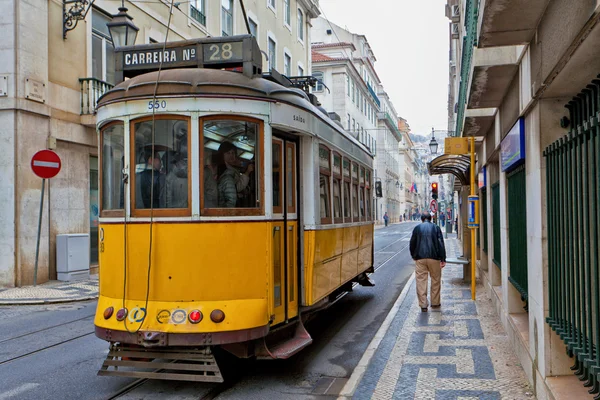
point(18, 390)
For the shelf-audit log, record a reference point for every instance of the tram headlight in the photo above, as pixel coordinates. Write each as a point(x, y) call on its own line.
point(195, 316)
point(217, 316)
point(108, 312)
point(121, 314)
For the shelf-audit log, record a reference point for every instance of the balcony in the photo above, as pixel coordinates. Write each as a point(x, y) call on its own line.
point(510, 22)
point(374, 95)
point(197, 15)
point(385, 116)
point(91, 90)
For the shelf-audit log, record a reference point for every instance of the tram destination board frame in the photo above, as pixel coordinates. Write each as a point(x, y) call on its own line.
point(240, 51)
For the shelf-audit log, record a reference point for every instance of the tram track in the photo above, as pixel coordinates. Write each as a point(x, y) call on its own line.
point(45, 329)
point(45, 348)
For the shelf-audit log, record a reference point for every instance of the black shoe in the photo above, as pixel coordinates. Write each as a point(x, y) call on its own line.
point(424, 309)
point(436, 306)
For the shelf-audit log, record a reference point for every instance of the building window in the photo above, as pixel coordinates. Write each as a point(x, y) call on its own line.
point(271, 4)
point(197, 11)
point(287, 64)
point(349, 121)
point(103, 52)
point(227, 17)
point(287, 12)
point(319, 84)
point(253, 27)
point(300, 71)
point(300, 25)
point(353, 92)
point(348, 84)
point(272, 54)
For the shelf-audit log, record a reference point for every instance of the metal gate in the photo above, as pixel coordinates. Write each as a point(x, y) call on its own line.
point(573, 217)
point(517, 230)
point(496, 257)
point(484, 225)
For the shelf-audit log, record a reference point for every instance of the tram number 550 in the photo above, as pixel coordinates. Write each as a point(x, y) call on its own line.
point(157, 105)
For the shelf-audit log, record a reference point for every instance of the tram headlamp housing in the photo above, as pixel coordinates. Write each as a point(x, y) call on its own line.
point(217, 316)
point(195, 316)
point(108, 312)
point(121, 314)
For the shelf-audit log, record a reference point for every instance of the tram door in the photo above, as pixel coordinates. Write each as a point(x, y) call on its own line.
point(285, 230)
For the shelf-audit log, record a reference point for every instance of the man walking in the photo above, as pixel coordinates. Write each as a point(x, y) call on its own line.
point(429, 252)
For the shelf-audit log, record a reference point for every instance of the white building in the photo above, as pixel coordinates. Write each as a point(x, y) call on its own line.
point(351, 88)
point(52, 71)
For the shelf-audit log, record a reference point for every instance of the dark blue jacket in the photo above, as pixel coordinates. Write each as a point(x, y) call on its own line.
point(427, 241)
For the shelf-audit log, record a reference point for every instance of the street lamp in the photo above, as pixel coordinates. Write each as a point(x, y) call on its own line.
point(122, 31)
point(433, 144)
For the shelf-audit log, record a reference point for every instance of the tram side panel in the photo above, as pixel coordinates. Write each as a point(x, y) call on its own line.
point(202, 266)
point(334, 257)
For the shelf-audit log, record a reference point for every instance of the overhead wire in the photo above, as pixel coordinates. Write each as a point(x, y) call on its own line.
point(150, 241)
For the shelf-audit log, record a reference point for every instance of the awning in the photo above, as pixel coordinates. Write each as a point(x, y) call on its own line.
point(457, 165)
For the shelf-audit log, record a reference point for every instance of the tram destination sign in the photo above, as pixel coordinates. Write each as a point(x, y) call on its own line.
point(221, 52)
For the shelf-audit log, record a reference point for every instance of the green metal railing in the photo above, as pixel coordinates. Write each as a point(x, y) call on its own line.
point(469, 43)
point(573, 217)
point(484, 222)
point(496, 257)
point(91, 90)
point(198, 15)
point(517, 230)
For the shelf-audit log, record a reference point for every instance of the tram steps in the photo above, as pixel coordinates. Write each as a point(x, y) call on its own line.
point(284, 346)
point(179, 364)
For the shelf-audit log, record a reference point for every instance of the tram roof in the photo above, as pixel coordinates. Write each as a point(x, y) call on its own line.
point(198, 82)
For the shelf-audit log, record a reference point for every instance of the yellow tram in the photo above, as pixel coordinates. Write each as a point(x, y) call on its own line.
point(232, 207)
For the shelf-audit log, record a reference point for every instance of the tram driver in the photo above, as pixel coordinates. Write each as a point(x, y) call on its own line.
point(151, 182)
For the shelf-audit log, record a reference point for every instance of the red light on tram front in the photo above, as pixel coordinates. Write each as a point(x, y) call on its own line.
point(108, 312)
point(121, 314)
point(195, 316)
point(217, 316)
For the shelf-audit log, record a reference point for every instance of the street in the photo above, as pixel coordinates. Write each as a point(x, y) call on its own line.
point(50, 352)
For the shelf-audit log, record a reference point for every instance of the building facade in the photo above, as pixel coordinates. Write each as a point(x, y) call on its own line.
point(50, 80)
point(523, 81)
point(352, 91)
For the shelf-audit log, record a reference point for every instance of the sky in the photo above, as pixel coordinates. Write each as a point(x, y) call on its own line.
point(410, 41)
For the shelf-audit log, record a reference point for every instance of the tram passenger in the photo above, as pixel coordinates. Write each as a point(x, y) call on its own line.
point(227, 154)
point(149, 189)
point(227, 177)
point(211, 187)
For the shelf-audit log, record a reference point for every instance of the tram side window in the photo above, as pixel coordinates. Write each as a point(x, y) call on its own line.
point(346, 194)
point(324, 189)
point(361, 193)
point(113, 161)
point(161, 164)
point(337, 188)
point(369, 199)
point(355, 192)
point(230, 179)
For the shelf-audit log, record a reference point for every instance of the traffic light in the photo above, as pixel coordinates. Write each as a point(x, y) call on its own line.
point(434, 190)
point(378, 190)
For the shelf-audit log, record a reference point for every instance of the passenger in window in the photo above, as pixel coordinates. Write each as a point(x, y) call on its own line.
point(232, 161)
point(227, 177)
point(151, 182)
point(175, 191)
point(211, 187)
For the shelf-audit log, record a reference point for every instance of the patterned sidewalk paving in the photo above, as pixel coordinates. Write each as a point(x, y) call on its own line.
point(51, 292)
point(459, 351)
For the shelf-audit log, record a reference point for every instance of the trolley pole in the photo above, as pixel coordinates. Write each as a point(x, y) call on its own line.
point(472, 146)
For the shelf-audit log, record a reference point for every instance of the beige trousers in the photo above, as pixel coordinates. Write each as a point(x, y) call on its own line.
point(425, 267)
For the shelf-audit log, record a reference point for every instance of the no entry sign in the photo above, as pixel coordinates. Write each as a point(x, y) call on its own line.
point(45, 164)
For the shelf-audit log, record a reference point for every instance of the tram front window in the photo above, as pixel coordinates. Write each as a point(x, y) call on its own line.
point(229, 157)
point(161, 164)
point(113, 160)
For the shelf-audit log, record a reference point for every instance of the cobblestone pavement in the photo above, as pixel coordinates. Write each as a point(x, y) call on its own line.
point(51, 292)
point(459, 351)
